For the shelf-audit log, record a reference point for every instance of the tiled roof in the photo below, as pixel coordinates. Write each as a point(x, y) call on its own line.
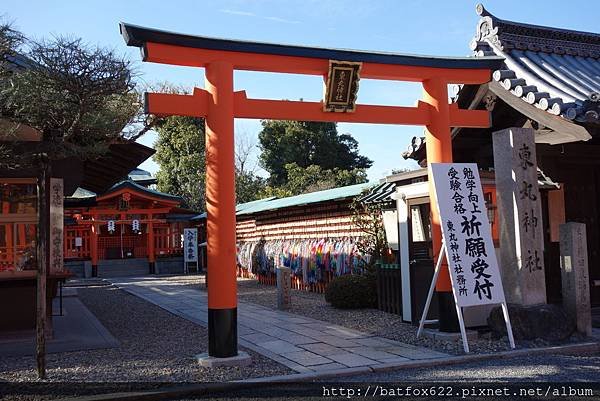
point(556, 70)
point(273, 203)
point(138, 174)
point(243, 206)
point(304, 199)
point(380, 194)
point(81, 193)
point(239, 207)
point(140, 188)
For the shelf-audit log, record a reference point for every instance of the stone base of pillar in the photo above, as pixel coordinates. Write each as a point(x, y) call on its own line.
point(94, 271)
point(241, 359)
point(151, 267)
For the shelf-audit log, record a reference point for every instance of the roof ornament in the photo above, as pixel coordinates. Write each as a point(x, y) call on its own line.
point(550, 68)
point(480, 10)
point(506, 35)
point(490, 101)
point(416, 143)
point(591, 106)
point(486, 33)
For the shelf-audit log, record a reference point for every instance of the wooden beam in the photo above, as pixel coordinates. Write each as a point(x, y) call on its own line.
point(193, 57)
point(138, 194)
point(95, 212)
point(566, 131)
point(469, 118)
point(166, 104)
point(196, 105)
point(89, 223)
point(313, 111)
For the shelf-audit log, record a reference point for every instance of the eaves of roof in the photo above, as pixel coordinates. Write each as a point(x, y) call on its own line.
point(139, 188)
point(555, 70)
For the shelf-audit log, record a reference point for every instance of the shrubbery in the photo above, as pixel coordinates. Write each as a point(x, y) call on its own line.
point(352, 292)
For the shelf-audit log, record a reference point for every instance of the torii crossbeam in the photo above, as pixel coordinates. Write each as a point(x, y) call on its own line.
point(219, 105)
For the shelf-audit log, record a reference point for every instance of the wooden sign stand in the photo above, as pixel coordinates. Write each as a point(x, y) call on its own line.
point(461, 322)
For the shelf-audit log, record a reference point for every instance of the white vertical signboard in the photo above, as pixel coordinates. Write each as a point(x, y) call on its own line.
point(467, 234)
point(466, 240)
point(190, 247)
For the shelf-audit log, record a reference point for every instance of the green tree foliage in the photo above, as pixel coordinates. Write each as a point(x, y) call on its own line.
point(314, 178)
point(368, 217)
point(249, 185)
point(80, 98)
point(180, 152)
point(304, 144)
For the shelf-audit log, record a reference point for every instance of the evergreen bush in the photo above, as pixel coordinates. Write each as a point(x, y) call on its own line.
point(352, 292)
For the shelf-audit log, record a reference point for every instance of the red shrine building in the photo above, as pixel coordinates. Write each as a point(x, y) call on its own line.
point(128, 230)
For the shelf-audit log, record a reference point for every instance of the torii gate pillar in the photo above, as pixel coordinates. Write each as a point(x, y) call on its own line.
point(220, 208)
point(439, 150)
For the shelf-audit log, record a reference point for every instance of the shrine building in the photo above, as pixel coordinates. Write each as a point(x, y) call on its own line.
point(549, 82)
point(127, 230)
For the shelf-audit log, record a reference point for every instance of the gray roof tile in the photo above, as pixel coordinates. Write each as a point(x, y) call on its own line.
point(557, 70)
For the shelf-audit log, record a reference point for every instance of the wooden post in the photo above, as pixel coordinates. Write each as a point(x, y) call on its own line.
point(11, 249)
point(220, 209)
point(94, 246)
point(21, 228)
point(150, 248)
point(42, 258)
point(439, 150)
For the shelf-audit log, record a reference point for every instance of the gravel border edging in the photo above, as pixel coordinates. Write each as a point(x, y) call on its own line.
point(176, 392)
point(453, 360)
point(196, 390)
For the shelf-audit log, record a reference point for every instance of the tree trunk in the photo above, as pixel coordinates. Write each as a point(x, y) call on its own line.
point(42, 258)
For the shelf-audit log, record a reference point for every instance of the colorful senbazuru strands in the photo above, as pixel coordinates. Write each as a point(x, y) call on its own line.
point(219, 105)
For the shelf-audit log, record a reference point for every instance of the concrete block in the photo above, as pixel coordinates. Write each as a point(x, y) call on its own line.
point(440, 335)
point(241, 359)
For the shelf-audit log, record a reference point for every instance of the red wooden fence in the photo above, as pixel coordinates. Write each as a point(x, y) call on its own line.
point(297, 283)
point(167, 241)
point(77, 252)
point(122, 247)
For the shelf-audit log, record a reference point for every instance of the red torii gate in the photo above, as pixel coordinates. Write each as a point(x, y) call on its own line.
point(219, 105)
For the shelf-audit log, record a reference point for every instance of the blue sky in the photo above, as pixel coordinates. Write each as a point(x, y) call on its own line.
point(432, 27)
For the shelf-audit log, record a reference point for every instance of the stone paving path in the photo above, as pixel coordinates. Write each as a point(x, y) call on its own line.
point(303, 344)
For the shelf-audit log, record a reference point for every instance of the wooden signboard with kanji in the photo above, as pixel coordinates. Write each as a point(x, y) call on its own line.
point(466, 241)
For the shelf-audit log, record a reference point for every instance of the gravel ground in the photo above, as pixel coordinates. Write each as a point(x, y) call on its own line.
point(371, 321)
point(156, 346)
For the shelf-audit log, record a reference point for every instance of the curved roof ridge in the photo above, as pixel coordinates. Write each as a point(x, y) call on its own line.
point(532, 30)
point(141, 188)
point(554, 69)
